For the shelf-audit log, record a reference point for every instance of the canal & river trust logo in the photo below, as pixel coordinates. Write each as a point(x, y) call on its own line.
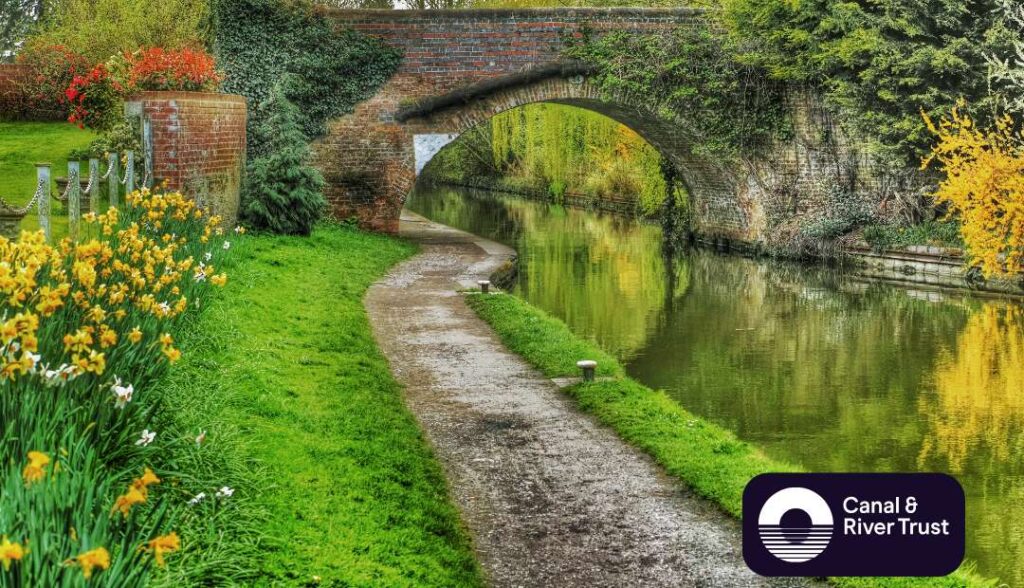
point(795, 524)
point(853, 524)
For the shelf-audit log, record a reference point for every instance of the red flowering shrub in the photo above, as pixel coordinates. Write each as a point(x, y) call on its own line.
point(54, 68)
point(91, 96)
point(94, 99)
point(155, 68)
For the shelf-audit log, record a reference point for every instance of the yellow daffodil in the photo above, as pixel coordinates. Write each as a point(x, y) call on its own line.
point(93, 559)
point(36, 468)
point(163, 544)
point(10, 552)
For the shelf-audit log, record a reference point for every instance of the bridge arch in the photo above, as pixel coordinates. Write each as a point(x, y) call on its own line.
point(463, 67)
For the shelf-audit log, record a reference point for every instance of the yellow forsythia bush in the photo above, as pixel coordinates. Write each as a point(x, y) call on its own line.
point(85, 330)
point(984, 183)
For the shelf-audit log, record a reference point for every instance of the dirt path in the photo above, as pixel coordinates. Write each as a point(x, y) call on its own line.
point(551, 497)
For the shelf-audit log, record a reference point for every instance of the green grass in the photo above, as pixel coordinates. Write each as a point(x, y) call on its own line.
point(708, 458)
point(22, 145)
point(936, 232)
point(333, 475)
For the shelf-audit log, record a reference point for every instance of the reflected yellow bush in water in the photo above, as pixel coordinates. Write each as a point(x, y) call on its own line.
point(977, 409)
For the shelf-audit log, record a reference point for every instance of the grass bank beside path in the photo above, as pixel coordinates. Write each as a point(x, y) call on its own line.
point(341, 484)
point(708, 458)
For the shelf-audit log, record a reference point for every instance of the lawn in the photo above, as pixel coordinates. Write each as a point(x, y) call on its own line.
point(707, 458)
point(22, 145)
point(286, 375)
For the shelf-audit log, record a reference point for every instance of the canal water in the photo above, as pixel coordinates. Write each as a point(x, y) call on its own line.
point(815, 367)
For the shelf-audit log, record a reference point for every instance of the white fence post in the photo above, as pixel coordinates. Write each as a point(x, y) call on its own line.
point(74, 198)
point(43, 177)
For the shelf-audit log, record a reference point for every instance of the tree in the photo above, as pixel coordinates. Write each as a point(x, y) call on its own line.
point(1009, 70)
point(984, 182)
point(16, 18)
point(880, 62)
point(284, 193)
point(98, 29)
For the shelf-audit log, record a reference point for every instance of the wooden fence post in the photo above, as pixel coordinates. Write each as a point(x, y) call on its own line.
point(74, 198)
point(129, 172)
point(94, 184)
point(147, 153)
point(113, 178)
point(43, 177)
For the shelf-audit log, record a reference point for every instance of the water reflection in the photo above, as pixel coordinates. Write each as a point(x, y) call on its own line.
point(818, 369)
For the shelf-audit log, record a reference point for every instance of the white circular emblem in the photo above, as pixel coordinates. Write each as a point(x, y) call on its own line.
point(795, 524)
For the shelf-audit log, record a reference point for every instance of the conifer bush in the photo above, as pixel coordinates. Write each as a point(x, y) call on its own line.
point(284, 192)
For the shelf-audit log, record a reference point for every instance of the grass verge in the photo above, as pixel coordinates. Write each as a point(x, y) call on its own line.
point(706, 457)
point(22, 145)
point(329, 464)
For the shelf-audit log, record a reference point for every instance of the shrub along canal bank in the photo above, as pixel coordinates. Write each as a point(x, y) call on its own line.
point(342, 489)
point(707, 458)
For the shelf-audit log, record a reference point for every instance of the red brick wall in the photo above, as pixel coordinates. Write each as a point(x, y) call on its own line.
point(367, 158)
point(198, 144)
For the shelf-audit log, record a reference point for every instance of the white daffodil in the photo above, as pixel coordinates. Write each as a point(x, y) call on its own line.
point(227, 245)
point(122, 394)
point(197, 499)
point(225, 492)
point(164, 308)
point(208, 256)
point(146, 438)
point(239, 230)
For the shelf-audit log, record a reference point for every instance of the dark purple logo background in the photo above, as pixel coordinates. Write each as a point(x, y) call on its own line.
point(900, 524)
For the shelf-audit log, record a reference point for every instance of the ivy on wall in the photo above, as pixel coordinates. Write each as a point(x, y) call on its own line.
point(258, 42)
point(692, 76)
point(880, 63)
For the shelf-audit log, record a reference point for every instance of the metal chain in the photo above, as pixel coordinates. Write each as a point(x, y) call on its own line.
point(72, 178)
point(110, 168)
point(24, 209)
point(92, 180)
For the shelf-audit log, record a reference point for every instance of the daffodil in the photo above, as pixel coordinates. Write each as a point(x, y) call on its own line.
point(10, 552)
point(93, 559)
point(146, 438)
point(36, 468)
point(163, 544)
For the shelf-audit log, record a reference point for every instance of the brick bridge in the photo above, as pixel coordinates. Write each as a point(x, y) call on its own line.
point(462, 67)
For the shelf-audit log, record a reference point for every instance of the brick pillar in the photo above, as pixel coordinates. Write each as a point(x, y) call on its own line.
point(198, 143)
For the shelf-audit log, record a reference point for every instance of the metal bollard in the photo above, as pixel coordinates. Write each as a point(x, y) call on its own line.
point(589, 368)
point(485, 286)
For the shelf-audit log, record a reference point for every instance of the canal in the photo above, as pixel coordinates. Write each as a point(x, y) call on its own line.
point(815, 367)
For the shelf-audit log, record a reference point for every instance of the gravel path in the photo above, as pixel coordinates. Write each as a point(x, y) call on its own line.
point(551, 498)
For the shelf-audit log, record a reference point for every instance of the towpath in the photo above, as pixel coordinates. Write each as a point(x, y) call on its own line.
point(551, 497)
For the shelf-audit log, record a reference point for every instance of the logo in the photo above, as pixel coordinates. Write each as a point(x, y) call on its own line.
point(795, 524)
point(853, 524)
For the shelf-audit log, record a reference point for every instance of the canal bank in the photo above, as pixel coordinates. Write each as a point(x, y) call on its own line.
point(551, 497)
point(816, 368)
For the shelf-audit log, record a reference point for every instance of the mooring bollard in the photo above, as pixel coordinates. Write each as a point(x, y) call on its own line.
point(94, 184)
point(74, 201)
point(589, 368)
point(113, 178)
point(485, 286)
point(43, 181)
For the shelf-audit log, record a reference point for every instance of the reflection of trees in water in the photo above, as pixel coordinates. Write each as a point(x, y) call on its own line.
point(605, 276)
point(975, 419)
point(827, 372)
